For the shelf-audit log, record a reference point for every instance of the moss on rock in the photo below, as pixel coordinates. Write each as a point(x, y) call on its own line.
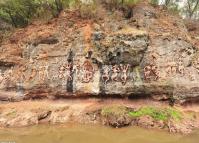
point(163, 114)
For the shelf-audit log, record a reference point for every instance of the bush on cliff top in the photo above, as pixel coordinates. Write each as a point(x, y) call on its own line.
point(20, 13)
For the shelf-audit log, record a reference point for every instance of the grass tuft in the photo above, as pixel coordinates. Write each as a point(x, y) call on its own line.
point(163, 114)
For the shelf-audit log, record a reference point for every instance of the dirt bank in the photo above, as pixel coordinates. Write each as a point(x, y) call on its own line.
point(111, 112)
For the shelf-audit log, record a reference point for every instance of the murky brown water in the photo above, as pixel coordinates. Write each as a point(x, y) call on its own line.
point(91, 134)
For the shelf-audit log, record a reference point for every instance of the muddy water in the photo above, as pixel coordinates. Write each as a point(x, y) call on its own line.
point(91, 134)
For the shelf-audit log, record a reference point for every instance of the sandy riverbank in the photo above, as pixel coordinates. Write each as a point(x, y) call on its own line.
point(27, 113)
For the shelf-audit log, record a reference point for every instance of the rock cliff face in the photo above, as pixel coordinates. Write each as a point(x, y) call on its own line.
point(150, 54)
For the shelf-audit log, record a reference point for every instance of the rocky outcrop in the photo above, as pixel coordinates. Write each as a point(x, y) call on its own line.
point(146, 55)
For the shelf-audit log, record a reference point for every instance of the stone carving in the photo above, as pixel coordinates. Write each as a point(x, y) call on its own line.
point(61, 72)
point(147, 72)
point(33, 73)
point(181, 67)
point(65, 72)
point(155, 71)
point(77, 69)
point(8, 75)
point(171, 67)
point(124, 69)
point(21, 76)
point(115, 70)
point(43, 72)
point(46, 68)
point(191, 76)
point(105, 75)
point(23, 72)
point(151, 71)
point(196, 65)
point(68, 72)
point(87, 72)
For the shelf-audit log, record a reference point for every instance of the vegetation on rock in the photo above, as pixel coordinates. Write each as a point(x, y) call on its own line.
point(20, 12)
point(167, 118)
point(163, 114)
point(157, 113)
point(114, 110)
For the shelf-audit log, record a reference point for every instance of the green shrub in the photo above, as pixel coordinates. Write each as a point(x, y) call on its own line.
point(117, 4)
point(174, 9)
point(20, 13)
point(130, 3)
point(88, 10)
point(54, 6)
point(157, 114)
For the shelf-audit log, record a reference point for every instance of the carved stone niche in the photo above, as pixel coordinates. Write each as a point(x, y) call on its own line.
point(87, 79)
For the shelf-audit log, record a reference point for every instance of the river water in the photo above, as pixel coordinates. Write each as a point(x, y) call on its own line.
point(72, 133)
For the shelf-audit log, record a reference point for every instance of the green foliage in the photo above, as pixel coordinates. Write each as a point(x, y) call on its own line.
point(173, 113)
point(157, 114)
point(174, 8)
point(191, 9)
point(17, 12)
point(130, 2)
point(163, 114)
point(188, 10)
point(53, 6)
point(20, 12)
point(116, 4)
point(88, 10)
point(168, 2)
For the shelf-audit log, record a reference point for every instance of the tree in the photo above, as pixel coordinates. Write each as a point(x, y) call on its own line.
point(154, 2)
point(192, 6)
point(168, 2)
point(21, 12)
point(54, 6)
point(18, 12)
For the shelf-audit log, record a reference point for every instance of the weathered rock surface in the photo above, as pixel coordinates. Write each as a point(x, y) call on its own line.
point(147, 55)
